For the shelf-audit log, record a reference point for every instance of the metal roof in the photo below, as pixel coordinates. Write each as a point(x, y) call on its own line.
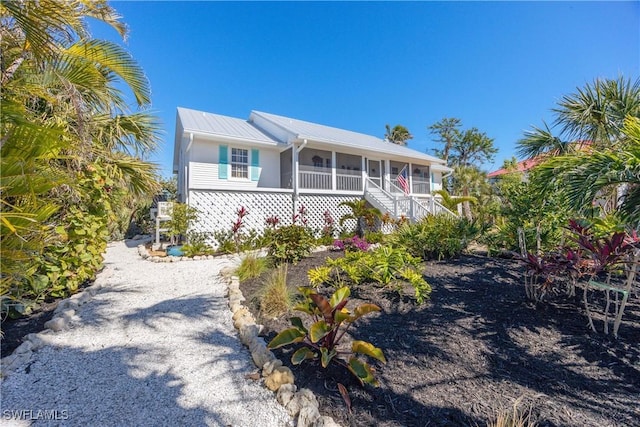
point(218, 125)
point(245, 130)
point(321, 133)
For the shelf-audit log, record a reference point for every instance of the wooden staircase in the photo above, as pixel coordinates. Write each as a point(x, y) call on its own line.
point(399, 205)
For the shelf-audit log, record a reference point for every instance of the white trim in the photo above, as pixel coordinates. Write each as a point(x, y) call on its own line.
point(308, 191)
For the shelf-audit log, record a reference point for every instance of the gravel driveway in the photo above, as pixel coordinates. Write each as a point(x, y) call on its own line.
point(154, 347)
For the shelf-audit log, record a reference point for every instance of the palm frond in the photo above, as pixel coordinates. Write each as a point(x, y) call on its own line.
point(538, 141)
point(113, 58)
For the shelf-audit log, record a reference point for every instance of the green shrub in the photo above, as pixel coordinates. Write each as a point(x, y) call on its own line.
point(182, 217)
point(226, 244)
point(386, 267)
point(251, 267)
point(435, 236)
point(290, 244)
point(275, 297)
point(374, 237)
point(197, 245)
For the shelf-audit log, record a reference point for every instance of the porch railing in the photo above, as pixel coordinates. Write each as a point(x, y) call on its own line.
point(315, 180)
point(421, 187)
point(348, 182)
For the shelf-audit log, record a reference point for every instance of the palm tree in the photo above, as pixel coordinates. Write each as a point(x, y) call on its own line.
point(451, 202)
point(469, 181)
point(588, 177)
point(65, 122)
point(398, 135)
point(593, 115)
point(364, 215)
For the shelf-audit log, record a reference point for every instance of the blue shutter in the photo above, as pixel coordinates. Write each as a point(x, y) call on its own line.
point(255, 163)
point(223, 161)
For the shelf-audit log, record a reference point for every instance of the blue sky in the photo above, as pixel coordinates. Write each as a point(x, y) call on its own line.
point(498, 66)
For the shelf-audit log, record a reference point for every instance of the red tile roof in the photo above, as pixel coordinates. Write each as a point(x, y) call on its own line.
point(523, 166)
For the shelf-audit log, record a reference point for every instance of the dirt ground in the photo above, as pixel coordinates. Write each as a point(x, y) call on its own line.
point(477, 347)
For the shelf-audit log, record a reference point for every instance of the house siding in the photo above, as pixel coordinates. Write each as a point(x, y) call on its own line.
point(204, 174)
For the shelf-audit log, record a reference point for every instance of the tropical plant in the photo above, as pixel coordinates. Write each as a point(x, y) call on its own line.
point(435, 236)
point(182, 217)
point(397, 135)
point(197, 244)
point(364, 215)
point(592, 116)
point(331, 321)
point(70, 144)
point(541, 215)
point(451, 202)
point(328, 230)
point(290, 244)
point(590, 178)
point(352, 243)
point(384, 267)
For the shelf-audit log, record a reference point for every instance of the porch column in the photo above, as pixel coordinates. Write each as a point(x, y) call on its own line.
point(410, 178)
point(387, 174)
point(333, 171)
point(364, 172)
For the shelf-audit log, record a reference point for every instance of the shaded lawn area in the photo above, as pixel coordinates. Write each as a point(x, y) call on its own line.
point(474, 348)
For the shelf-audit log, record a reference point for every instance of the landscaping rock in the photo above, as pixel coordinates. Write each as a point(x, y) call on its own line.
point(308, 415)
point(261, 357)
point(226, 271)
point(247, 333)
point(56, 324)
point(285, 393)
point(268, 367)
point(242, 312)
point(36, 341)
point(84, 298)
point(325, 421)
point(25, 347)
point(280, 376)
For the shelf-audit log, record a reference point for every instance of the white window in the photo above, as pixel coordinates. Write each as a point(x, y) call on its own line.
point(239, 163)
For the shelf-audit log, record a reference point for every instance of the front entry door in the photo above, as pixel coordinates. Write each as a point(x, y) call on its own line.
point(374, 171)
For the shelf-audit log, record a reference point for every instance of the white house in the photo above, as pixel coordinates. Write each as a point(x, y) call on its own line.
point(272, 165)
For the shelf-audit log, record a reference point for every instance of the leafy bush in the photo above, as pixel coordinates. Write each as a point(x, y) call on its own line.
point(197, 245)
point(251, 267)
point(435, 236)
point(331, 319)
point(226, 244)
point(275, 297)
point(373, 237)
point(385, 267)
point(182, 217)
point(290, 244)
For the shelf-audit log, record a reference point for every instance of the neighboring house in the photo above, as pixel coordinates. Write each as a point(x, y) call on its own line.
point(272, 165)
point(523, 166)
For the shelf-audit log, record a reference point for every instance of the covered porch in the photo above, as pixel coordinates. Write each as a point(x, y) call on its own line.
point(312, 169)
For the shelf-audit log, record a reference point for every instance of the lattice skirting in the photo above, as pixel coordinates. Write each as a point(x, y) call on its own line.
point(217, 209)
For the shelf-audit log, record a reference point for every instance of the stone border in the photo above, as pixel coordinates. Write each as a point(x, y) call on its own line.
point(144, 254)
point(301, 405)
point(64, 316)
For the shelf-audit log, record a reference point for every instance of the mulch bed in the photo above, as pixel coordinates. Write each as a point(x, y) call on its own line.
point(477, 347)
point(15, 330)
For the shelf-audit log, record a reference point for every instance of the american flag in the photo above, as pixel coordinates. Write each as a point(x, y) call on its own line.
point(403, 180)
